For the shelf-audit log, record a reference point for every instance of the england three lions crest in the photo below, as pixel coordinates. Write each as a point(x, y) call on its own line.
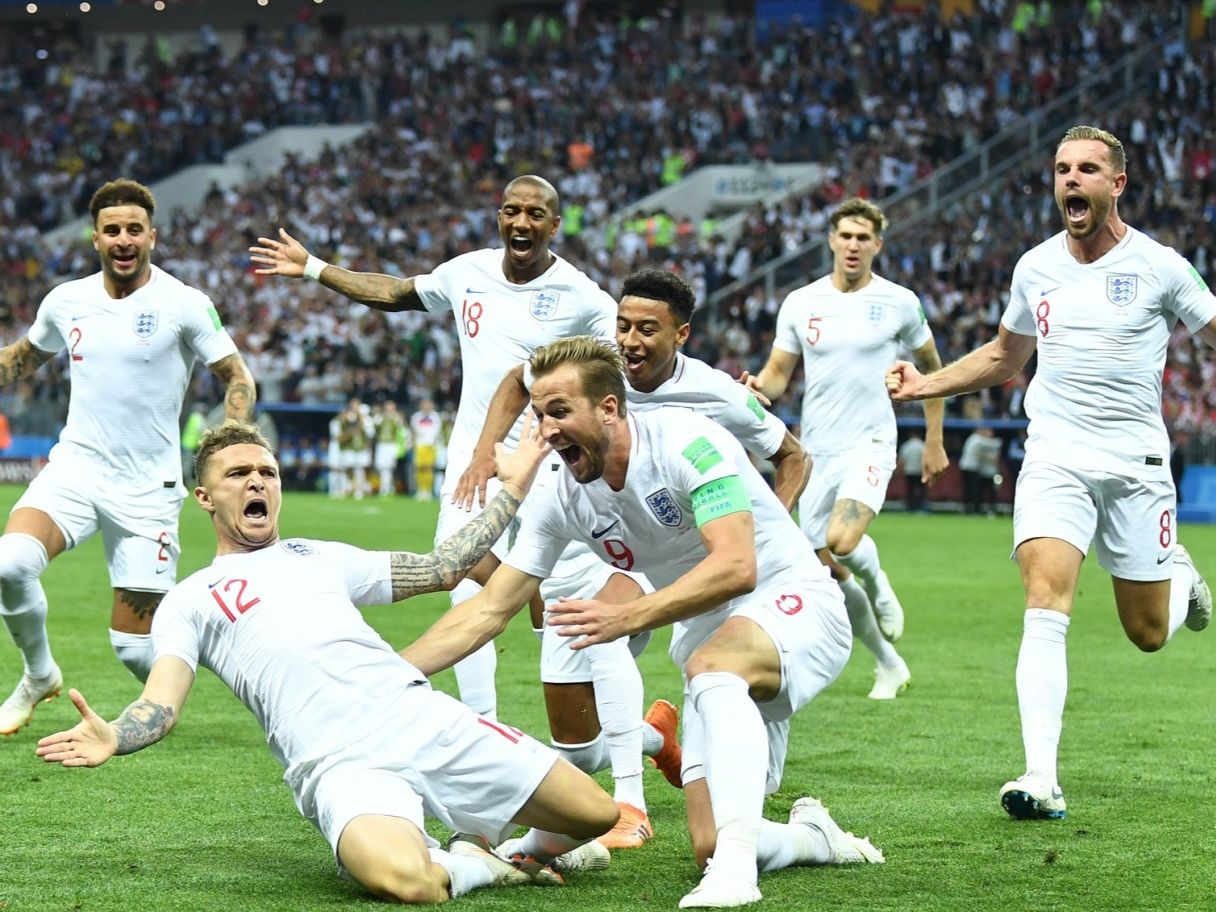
point(664, 507)
point(1121, 289)
point(544, 304)
point(145, 323)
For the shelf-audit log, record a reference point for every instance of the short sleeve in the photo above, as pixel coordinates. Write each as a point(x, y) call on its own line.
point(367, 574)
point(787, 338)
point(433, 289)
point(44, 334)
point(1188, 296)
point(1018, 317)
point(741, 413)
point(914, 329)
point(542, 536)
point(204, 331)
point(174, 632)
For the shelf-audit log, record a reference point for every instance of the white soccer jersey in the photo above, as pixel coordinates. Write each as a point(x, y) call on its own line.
point(500, 324)
point(649, 526)
point(847, 342)
point(279, 626)
point(130, 361)
point(1102, 329)
point(697, 387)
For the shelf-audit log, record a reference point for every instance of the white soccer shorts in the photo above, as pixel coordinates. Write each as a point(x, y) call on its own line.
point(436, 758)
point(807, 622)
point(861, 474)
point(138, 527)
point(1130, 520)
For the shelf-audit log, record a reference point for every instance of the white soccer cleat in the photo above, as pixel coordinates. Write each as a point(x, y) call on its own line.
point(720, 890)
point(590, 856)
point(888, 612)
point(890, 682)
point(18, 709)
point(1199, 605)
point(845, 847)
point(518, 870)
point(1032, 797)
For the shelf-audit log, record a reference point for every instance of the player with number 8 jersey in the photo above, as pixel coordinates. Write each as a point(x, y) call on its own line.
point(507, 302)
point(1098, 303)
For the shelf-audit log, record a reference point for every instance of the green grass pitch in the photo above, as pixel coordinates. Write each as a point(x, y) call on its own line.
point(203, 821)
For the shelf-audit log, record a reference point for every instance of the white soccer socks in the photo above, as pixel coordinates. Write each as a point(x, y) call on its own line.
point(1042, 683)
point(23, 601)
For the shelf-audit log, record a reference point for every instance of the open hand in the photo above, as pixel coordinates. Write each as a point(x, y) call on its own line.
point(285, 257)
point(91, 743)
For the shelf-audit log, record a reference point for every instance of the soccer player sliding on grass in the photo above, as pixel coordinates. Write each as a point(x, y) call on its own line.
point(367, 747)
point(759, 626)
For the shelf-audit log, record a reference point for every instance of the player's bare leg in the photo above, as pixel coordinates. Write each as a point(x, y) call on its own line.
point(848, 542)
point(1050, 568)
point(1152, 612)
point(389, 856)
point(567, 811)
point(30, 541)
point(131, 628)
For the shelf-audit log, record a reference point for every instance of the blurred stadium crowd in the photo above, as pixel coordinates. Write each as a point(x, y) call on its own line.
point(609, 112)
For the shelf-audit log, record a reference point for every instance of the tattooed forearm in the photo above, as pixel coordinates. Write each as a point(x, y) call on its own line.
point(447, 565)
point(238, 401)
point(139, 603)
point(142, 723)
point(378, 291)
point(20, 360)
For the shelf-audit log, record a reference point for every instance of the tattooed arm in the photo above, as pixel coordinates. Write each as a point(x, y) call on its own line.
point(287, 257)
point(94, 741)
point(449, 563)
point(240, 394)
point(20, 360)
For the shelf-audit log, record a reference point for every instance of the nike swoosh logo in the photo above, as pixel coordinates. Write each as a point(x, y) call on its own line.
point(604, 531)
point(1163, 559)
point(1043, 294)
point(216, 583)
point(475, 291)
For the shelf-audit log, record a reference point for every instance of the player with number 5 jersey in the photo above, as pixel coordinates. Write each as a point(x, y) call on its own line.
point(846, 327)
point(132, 334)
point(1097, 302)
point(506, 302)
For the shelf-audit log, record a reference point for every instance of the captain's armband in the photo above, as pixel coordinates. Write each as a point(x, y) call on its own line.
point(718, 498)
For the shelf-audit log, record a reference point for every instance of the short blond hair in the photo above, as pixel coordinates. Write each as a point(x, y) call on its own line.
point(856, 207)
point(1114, 148)
point(231, 433)
point(600, 365)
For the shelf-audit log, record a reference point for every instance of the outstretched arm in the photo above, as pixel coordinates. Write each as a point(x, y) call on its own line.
point(448, 564)
point(466, 627)
point(509, 400)
point(240, 393)
point(93, 741)
point(988, 365)
point(935, 459)
point(20, 360)
point(287, 257)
